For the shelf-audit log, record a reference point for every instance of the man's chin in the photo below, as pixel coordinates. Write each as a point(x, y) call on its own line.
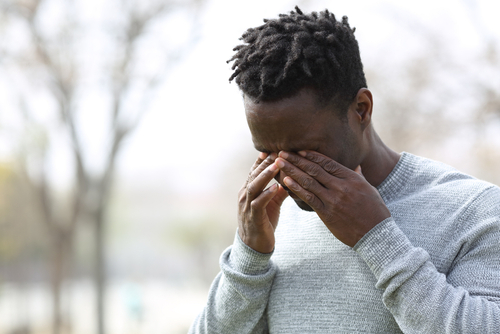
point(301, 204)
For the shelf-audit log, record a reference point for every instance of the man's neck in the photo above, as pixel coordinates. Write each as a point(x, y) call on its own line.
point(379, 162)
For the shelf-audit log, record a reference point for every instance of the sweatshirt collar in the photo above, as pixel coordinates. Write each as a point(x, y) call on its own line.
point(399, 177)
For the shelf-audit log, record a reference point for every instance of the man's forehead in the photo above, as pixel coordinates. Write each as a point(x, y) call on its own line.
point(304, 103)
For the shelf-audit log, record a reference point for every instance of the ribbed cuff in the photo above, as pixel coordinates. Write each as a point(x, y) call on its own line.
point(383, 245)
point(245, 260)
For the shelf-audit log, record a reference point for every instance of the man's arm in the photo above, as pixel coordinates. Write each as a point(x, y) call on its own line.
point(238, 296)
point(422, 300)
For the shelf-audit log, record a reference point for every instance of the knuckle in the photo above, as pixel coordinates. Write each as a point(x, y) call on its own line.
point(315, 158)
point(257, 170)
point(250, 191)
point(254, 205)
point(344, 190)
point(294, 160)
point(307, 183)
point(309, 198)
point(253, 175)
point(254, 167)
point(330, 166)
point(300, 164)
point(314, 171)
point(334, 202)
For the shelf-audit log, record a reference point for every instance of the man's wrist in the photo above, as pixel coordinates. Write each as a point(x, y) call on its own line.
point(246, 260)
point(382, 245)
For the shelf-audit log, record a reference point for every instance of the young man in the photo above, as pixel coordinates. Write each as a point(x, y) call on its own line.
point(370, 241)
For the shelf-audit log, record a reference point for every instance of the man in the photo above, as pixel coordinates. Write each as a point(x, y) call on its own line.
point(371, 241)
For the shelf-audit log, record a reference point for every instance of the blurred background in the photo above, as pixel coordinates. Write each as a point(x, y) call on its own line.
point(123, 146)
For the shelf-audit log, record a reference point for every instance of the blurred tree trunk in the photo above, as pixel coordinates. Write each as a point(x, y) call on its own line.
point(61, 250)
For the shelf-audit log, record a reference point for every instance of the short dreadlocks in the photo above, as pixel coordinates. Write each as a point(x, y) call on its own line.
point(295, 51)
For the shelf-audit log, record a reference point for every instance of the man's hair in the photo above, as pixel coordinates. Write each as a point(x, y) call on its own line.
point(296, 51)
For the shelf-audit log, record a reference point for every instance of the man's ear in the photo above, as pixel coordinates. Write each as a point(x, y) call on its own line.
point(364, 105)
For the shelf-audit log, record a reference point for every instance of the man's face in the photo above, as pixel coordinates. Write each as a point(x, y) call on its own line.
point(301, 123)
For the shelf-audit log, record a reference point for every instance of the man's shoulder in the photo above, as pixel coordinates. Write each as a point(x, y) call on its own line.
point(443, 202)
point(416, 179)
point(433, 173)
point(437, 178)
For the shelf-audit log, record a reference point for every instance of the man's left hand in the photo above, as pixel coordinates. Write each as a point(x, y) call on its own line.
point(343, 199)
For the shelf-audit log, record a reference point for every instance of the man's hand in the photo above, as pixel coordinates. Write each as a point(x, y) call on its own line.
point(258, 209)
point(343, 199)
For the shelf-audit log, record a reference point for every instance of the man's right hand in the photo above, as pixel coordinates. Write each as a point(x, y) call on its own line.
point(258, 209)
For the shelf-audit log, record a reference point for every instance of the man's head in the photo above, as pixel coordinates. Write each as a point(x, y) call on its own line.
point(296, 51)
point(303, 85)
point(300, 123)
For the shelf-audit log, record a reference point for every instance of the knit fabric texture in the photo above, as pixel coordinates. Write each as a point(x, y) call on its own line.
point(432, 267)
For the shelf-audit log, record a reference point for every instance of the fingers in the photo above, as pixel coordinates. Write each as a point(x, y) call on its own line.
point(256, 185)
point(280, 196)
point(274, 205)
point(263, 161)
point(257, 216)
point(260, 203)
point(262, 156)
point(313, 200)
point(305, 179)
point(328, 164)
point(314, 170)
point(311, 175)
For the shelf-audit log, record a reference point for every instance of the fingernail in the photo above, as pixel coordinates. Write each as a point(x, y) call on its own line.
point(288, 181)
point(280, 163)
point(262, 155)
point(273, 156)
point(273, 188)
point(302, 153)
point(283, 154)
point(273, 167)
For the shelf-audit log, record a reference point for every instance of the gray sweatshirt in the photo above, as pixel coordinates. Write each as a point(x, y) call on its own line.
point(432, 267)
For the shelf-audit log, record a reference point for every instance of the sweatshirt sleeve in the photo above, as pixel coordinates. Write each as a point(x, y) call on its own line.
point(238, 296)
point(423, 300)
